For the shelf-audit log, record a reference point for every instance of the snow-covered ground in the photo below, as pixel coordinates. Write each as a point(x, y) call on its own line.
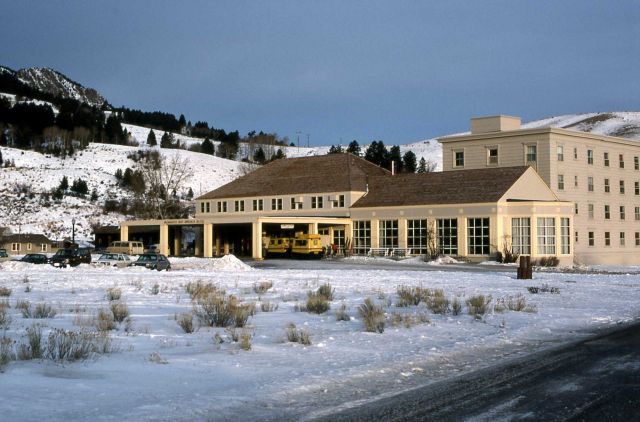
point(161, 373)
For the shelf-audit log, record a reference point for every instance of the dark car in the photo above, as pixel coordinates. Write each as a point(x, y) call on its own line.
point(71, 257)
point(154, 261)
point(35, 258)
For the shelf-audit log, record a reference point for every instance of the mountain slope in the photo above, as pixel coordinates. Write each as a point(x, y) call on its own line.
point(55, 83)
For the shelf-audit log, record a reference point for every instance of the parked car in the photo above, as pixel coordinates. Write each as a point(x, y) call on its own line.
point(3, 255)
point(128, 247)
point(34, 258)
point(155, 248)
point(71, 257)
point(154, 261)
point(114, 260)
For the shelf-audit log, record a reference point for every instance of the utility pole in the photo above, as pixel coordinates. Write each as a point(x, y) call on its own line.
point(73, 230)
point(298, 137)
point(308, 140)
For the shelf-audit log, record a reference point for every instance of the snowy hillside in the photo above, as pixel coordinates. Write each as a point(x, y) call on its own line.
point(38, 173)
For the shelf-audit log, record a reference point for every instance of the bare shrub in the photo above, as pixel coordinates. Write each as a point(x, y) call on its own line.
point(408, 296)
point(63, 345)
point(298, 336)
point(545, 288)
point(113, 293)
point(245, 339)
point(478, 305)
point(6, 351)
point(5, 291)
point(262, 287)
point(267, 306)
point(43, 310)
point(185, 321)
point(373, 316)
point(456, 306)
point(156, 358)
point(5, 318)
point(120, 311)
point(547, 261)
point(326, 291)
point(317, 303)
point(436, 301)
point(217, 310)
point(341, 313)
point(199, 290)
point(104, 320)
point(34, 336)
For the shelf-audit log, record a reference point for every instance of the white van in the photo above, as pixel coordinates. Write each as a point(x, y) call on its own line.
point(128, 247)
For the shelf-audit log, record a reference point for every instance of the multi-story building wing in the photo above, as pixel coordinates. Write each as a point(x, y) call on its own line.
point(599, 175)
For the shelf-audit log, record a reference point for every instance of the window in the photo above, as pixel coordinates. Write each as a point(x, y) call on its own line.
point(492, 156)
point(636, 188)
point(338, 238)
point(636, 163)
point(589, 156)
point(258, 204)
point(622, 212)
point(208, 207)
point(622, 186)
point(622, 239)
point(28, 246)
point(458, 159)
point(276, 204)
point(565, 236)
point(43, 247)
point(531, 154)
point(201, 206)
point(15, 247)
point(575, 181)
point(575, 208)
point(637, 238)
point(339, 203)
point(222, 206)
point(561, 182)
point(607, 239)
point(478, 236)
point(575, 153)
point(637, 213)
point(388, 231)
point(448, 236)
point(417, 236)
point(621, 159)
point(560, 152)
point(295, 205)
point(546, 235)
point(239, 206)
point(361, 237)
point(576, 237)
point(590, 184)
point(592, 239)
point(590, 208)
point(521, 236)
point(607, 212)
point(606, 159)
point(607, 186)
point(316, 202)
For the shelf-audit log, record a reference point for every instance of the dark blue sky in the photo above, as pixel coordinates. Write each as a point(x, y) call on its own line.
point(398, 71)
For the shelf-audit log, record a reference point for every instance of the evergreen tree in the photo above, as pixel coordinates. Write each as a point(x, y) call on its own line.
point(394, 156)
point(409, 162)
point(127, 177)
point(335, 149)
point(119, 174)
point(0, 158)
point(354, 148)
point(113, 130)
point(166, 141)
point(190, 194)
point(94, 195)
point(422, 167)
point(182, 121)
point(151, 139)
point(377, 154)
point(79, 187)
point(259, 156)
point(64, 184)
point(279, 154)
point(207, 147)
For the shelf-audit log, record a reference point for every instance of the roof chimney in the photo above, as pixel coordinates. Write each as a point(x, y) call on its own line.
point(494, 124)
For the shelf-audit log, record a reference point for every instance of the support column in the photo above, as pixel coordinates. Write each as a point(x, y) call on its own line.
point(164, 239)
point(313, 228)
point(348, 237)
point(207, 239)
point(534, 236)
point(124, 233)
point(198, 249)
point(177, 241)
point(462, 236)
point(256, 240)
point(375, 233)
point(402, 233)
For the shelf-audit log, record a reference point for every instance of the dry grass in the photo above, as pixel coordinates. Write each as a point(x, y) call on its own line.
point(5, 318)
point(113, 294)
point(341, 313)
point(5, 292)
point(71, 346)
point(120, 311)
point(317, 303)
point(456, 306)
point(478, 305)
point(214, 309)
point(327, 291)
point(297, 336)
point(267, 306)
point(262, 287)
point(185, 321)
point(200, 290)
point(6, 351)
point(104, 320)
point(372, 315)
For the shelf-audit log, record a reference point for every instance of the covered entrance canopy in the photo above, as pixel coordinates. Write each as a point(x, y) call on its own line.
point(220, 236)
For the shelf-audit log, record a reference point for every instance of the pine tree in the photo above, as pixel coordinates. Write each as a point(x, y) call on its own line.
point(354, 148)
point(279, 154)
point(182, 121)
point(395, 157)
point(119, 174)
point(79, 187)
point(0, 158)
point(207, 147)
point(190, 194)
point(64, 184)
point(409, 162)
point(377, 154)
point(166, 141)
point(335, 149)
point(151, 139)
point(94, 195)
point(422, 167)
point(259, 156)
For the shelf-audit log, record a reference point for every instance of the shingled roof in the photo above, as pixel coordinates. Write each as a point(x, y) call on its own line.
point(25, 238)
point(449, 187)
point(290, 176)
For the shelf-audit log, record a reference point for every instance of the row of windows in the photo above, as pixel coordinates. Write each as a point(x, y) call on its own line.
point(317, 202)
point(445, 238)
point(622, 238)
point(15, 247)
point(606, 161)
point(607, 211)
point(606, 185)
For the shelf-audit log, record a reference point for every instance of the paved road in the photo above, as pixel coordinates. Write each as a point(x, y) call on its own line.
point(590, 380)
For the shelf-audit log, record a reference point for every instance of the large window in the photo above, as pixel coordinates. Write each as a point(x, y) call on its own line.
point(258, 204)
point(276, 204)
point(295, 205)
point(316, 202)
point(338, 238)
point(417, 236)
point(590, 208)
point(222, 206)
point(565, 236)
point(546, 235)
point(478, 236)
point(622, 239)
point(531, 153)
point(607, 238)
point(361, 237)
point(388, 233)
point(448, 236)
point(239, 206)
point(636, 163)
point(592, 239)
point(636, 189)
point(521, 236)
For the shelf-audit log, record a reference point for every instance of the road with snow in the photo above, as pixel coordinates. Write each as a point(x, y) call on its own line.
point(597, 379)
